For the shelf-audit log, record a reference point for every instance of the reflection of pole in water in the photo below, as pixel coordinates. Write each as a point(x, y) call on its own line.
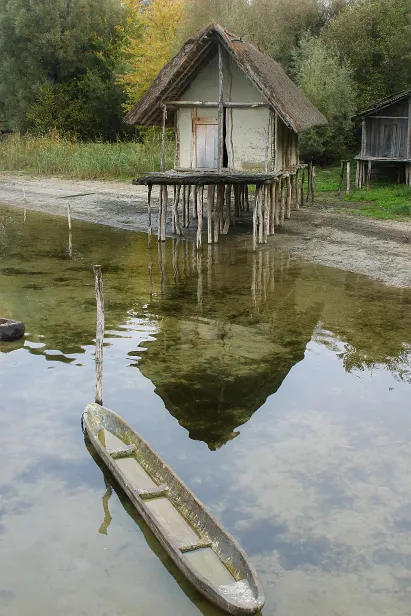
point(69, 216)
point(99, 333)
point(162, 261)
point(150, 270)
point(70, 245)
point(254, 279)
point(176, 250)
point(200, 280)
point(107, 516)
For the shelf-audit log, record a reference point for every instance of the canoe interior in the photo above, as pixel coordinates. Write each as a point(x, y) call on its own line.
point(204, 560)
point(201, 542)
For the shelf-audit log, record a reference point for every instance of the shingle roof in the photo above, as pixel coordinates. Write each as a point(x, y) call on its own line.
point(266, 74)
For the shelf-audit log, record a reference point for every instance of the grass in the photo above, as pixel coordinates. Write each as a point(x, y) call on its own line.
point(385, 200)
point(62, 157)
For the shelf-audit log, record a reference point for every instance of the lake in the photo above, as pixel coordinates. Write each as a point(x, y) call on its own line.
point(278, 390)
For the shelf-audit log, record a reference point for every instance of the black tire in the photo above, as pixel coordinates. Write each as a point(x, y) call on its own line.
point(11, 330)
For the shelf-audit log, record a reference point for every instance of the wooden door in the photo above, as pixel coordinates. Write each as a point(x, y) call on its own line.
point(206, 146)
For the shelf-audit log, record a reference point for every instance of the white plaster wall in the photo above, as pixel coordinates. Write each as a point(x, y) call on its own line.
point(246, 139)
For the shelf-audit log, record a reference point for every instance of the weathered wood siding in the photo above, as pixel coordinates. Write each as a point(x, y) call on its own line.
point(249, 132)
point(386, 132)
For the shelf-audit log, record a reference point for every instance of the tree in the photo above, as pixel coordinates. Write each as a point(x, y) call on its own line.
point(58, 64)
point(375, 36)
point(327, 81)
point(152, 38)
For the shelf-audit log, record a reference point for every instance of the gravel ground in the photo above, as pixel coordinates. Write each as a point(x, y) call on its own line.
point(376, 248)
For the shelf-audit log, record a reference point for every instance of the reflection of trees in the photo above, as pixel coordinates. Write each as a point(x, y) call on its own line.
point(374, 323)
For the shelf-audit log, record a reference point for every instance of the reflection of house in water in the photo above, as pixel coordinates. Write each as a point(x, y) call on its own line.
point(214, 371)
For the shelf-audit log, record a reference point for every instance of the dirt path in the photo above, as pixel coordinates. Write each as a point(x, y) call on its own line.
point(378, 249)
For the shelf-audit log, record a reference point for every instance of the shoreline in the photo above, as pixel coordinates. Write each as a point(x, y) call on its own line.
point(379, 249)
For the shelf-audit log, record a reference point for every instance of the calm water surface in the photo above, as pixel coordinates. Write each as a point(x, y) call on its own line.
point(279, 392)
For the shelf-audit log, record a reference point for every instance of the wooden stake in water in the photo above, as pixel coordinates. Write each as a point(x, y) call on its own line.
point(69, 217)
point(99, 333)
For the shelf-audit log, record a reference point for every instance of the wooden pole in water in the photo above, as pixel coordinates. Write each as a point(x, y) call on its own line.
point(210, 204)
point(69, 216)
point(99, 333)
point(297, 190)
point(227, 209)
point(200, 202)
point(150, 230)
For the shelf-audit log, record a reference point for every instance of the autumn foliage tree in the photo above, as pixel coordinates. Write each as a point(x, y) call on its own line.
point(152, 37)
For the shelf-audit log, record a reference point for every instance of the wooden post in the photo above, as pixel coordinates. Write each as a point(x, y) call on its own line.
point(277, 204)
point(220, 131)
point(163, 220)
point(267, 212)
point(227, 209)
point(302, 187)
point(218, 218)
point(369, 175)
point(259, 206)
point(175, 217)
point(188, 206)
point(247, 202)
point(289, 188)
point(173, 220)
point(199, 218)
point(184, 206)
point(340, 183)
point(357, 176)
point(348, 177)
point(99, 333)
point(150, 230)
point(69, 217)
point(160, 214)
point(163, 139)
point(273, 190)
point(297, 189)
point(255, 224)
point(409, 129)
point(210, 204)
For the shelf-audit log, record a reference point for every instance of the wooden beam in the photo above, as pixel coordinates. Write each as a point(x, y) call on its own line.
point(276, 141)
point(228, 104)
point(220, 108)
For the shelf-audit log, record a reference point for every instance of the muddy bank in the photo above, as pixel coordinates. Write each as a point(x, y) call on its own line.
point(378, 249)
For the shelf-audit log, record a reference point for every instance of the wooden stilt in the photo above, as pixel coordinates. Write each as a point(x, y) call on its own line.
point(255, 224)
point(184, 206)
point(164, 213)
point(173, 220)
point(99, 333)
point(188, 206)
point(210, 206)
point(259, 206)
point(369, 175)
point(160, 214)
point(227, 209)
point(357, 176)
point(175, 216)
point(150, 230)
point(302, 188)
point(200, 200)
point(267, 212)
point(282, 200)
point(247, 202)
point(297, 189)
point(277, 203)
point(348, 177)
point(218, 218)
point(289, 197)
point(273, 190)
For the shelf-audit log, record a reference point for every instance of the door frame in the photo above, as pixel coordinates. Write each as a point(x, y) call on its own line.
point(200, 122)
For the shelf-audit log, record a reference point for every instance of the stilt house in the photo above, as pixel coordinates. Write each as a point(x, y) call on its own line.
point(386, 137)
point(237, 117)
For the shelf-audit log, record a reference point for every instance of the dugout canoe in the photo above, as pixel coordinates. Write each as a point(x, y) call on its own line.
point(208, 556)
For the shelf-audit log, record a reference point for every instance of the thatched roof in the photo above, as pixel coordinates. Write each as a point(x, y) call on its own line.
point(265, 73)
point(386, 102)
